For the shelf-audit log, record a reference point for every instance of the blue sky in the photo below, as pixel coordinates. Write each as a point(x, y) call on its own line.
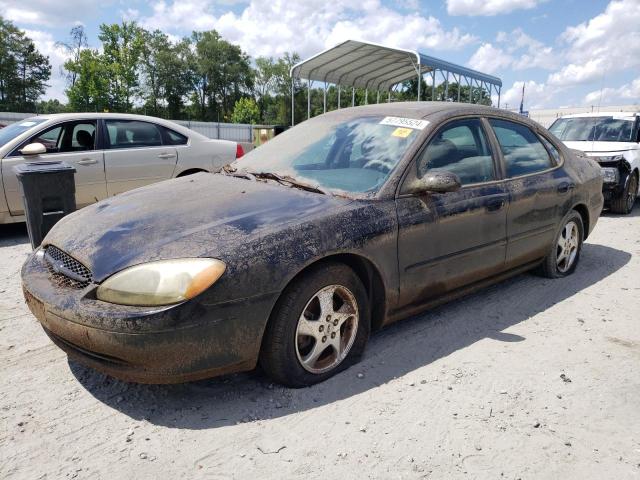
point(567, 52)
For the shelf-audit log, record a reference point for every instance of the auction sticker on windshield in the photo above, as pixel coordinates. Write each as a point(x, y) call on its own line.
point(405, 122)
point(401, 132)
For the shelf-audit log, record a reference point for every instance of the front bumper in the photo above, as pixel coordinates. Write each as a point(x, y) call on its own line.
point(613, 186)
point(179, 343)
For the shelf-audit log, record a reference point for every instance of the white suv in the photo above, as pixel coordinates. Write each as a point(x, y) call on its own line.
point(612, 139)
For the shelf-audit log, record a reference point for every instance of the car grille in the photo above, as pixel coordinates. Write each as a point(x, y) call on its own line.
point(65, 270)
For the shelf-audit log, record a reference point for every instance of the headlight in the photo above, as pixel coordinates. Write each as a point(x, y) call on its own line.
point(610, 158)
point(610, 175)
point(161, 283)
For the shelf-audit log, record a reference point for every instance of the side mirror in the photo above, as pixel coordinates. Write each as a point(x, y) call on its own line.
point(435, 181)
point(34, 149)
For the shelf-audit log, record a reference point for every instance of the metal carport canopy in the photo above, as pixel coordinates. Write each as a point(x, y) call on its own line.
point(377, 67)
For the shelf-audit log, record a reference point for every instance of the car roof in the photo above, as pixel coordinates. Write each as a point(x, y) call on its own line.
point(439, 111)
point(120, 116)
point(601, 114)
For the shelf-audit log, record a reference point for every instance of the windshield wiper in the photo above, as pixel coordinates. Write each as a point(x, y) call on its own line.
point(287, 180)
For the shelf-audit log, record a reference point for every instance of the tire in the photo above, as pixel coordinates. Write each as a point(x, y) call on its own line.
point(551, 266)
point(300, 345)
point(627, 199)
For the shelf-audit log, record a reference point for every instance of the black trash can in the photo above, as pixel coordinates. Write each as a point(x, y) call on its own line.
point(48, 192)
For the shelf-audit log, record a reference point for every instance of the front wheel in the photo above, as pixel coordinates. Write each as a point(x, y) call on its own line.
point(319, 327)
point(627, 199)
point(564, 254)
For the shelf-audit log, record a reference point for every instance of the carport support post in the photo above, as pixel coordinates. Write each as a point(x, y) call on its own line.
point(378, 96)
point(324, 98)
point(446, 88)
point(459, 86)
point(353, 96)
point(366, 96)
point(433, 85)
point(499, 88)
point(293, 102)
point(308, 99)
point(339, 92)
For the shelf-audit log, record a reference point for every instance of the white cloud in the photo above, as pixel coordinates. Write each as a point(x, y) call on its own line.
point(607, 43)
point(515, 50)
point(273, 27)
point(536, 95)
point(489, 59)
point(46, 45)
point(488, 7)
point(629, 92)
point(47, 13)
point(182, 15)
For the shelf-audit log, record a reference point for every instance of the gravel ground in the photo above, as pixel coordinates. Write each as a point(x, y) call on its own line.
point(531, 378)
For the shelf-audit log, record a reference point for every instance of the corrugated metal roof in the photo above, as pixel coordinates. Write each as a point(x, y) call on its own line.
point(368, 65)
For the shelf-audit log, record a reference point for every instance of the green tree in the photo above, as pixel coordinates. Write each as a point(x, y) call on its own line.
point(50, 106)
point(246, 111)
point(265, 82)
point(122, 45)
point(222, 75)
point(75, 45)
point(283, 89)
point(155, 46)
point(24, 71)
point(90, 92)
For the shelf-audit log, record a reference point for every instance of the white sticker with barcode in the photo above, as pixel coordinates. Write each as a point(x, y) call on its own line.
point(405, 122)
point(27, 124)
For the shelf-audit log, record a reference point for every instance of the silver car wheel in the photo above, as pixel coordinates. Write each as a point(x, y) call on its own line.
point(567, 246)
point(327, 329)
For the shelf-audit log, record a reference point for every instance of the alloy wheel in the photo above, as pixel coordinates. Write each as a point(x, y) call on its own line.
point(567, 247)
point(327, 329)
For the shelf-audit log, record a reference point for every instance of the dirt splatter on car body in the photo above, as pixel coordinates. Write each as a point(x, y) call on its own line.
point(267, 234)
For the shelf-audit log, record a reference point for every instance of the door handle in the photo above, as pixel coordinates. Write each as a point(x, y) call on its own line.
point(166, 155)
point(495, 205)
point(564, 187)
point(87, 161)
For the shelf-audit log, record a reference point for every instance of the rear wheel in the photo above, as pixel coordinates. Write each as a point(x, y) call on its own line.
point(563, 257)
point(319, 327)
point(625, 202)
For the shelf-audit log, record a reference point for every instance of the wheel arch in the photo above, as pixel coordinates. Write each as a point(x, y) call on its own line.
point(583, 211)
point(368, 274)
point(190, 171)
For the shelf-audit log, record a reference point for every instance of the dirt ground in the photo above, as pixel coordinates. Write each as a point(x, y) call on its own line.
point(532, 378)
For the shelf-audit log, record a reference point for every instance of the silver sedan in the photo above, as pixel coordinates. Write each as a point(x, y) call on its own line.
point(112, 153)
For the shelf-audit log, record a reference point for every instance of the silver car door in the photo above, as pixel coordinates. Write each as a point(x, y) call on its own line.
point(135, 155)
point(72, 142)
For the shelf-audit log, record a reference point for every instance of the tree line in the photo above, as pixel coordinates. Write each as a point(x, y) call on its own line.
point(199, 77)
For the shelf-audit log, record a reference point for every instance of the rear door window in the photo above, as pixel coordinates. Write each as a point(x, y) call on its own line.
point(522, 150)
point(132, 134)
point(173, 138)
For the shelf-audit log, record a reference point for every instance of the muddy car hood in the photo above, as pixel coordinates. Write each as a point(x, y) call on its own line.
point(201, 215)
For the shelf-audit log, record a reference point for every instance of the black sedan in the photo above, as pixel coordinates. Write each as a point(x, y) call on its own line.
point(293, 254)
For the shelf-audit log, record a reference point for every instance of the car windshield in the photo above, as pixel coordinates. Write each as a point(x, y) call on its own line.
point(598, 129)
point(354, 155)
point(10, 132)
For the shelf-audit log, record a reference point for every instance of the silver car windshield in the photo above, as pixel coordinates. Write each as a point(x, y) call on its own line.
point(354, 155)
point(598, 129)
point(10, 132)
